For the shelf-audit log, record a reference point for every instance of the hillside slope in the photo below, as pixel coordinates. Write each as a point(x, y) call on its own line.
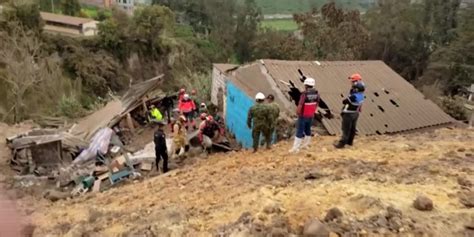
point(245, 194)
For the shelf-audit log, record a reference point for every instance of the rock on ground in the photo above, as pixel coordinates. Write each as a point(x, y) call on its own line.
point(314, 228)
point(423, 203)
point(333, 213)
point(467, 199)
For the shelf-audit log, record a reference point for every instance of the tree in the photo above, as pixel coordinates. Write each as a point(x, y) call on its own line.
point(71, 7)
point(150, 26)
point(23, 12)
point(248, 21)
point(453, 64)
point(333, 33)
point(278, 45)
point(22, 68)
point(114, 35)
point(404, 34)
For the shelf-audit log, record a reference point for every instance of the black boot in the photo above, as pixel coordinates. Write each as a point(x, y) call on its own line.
point(339, 145)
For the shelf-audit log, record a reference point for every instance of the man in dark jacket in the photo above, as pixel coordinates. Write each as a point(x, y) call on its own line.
point(161, 150)
point(350, 112)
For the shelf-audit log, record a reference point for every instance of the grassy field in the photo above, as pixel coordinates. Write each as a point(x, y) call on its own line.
point(296, 6)
point(280, 24)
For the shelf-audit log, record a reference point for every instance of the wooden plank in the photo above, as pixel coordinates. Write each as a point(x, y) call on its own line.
point(103, 176)
point(96, 187)
point(146, 166)
point(130, 122)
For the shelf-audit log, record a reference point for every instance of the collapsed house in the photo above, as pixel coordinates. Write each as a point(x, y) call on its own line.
point(392, 104)
point(70, 154)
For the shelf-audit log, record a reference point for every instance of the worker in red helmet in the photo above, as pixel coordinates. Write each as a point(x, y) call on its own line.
point(181, 94)
point(187, 108)
point(210, 128)
point(356, 79)
point(350, 111)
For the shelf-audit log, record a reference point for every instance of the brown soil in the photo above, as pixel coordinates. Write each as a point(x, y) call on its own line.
point(368, 183)
point(12, 222)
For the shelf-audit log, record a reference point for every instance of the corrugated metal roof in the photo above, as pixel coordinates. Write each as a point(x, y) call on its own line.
point(224, 67)
point(63, 19)
point(392, 104)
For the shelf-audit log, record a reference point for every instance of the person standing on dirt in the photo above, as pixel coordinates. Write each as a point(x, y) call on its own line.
point(188, 108)
point(350, 111)
point(307, 107)
point(258, 119)
point(161, 151)
point(179, 135)
point(274, 114)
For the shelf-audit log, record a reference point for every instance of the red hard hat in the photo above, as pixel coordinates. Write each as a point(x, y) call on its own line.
point(182, 90)
point(355, 77)
point(210, 118)
point(203, 116)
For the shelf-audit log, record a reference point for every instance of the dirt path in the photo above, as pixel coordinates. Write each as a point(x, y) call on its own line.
point(11, 222)
point(203, 199)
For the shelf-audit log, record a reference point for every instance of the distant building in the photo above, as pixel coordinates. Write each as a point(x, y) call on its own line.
point(69, 25)
point(129, 5)
point(98, 3)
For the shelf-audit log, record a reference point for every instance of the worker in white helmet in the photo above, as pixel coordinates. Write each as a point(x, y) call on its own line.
point(307, 107)
point(258, 118)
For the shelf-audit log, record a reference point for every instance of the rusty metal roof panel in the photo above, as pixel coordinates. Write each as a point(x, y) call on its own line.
point(224, 67)
point(392, 104)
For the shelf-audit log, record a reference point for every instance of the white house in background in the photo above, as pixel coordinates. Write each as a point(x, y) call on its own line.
point(129, 5)
point(69, 25)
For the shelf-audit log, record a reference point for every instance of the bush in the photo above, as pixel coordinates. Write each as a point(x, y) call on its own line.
point(454, 107)
point(70, 107)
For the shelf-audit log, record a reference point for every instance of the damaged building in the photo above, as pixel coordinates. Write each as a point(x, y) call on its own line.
point(392, 104)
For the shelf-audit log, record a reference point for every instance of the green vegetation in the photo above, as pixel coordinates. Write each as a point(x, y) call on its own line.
point(280, 24)
point(55, 75)
point(299, 6)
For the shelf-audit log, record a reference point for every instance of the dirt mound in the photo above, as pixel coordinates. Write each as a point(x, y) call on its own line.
point(243, 194)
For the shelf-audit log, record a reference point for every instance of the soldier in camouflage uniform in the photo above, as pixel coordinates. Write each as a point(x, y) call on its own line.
point(259, 114)
point(274, 114)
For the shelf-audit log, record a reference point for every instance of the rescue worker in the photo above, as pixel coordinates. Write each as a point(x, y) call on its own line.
point(257, 120)
point(355, 79)
point(350, 113)
point(167, 104)
point(161, 151)
point(209, 127)
point(181, 93)
point(307, 107)
point(155, 114)
point(274, 114)
point(179, 135)
point(187, 108)
point(203, 108)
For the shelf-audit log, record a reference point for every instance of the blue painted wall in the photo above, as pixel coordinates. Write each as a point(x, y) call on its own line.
point(237, 106)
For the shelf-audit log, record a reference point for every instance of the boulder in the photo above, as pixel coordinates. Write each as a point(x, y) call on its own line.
point(467, 199)
point(333, 213)
point(423, 203)
point(314, 228)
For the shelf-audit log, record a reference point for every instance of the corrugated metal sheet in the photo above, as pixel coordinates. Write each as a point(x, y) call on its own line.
point(224, 67)
point(392, 104)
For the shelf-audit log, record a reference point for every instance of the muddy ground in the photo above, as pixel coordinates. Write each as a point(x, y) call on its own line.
point(272, 193)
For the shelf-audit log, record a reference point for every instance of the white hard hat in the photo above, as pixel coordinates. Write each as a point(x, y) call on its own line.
point(260, 96)
point(309, 81)
point(186, 96)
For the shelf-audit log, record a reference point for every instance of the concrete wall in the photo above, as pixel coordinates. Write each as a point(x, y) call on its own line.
point(218, 80)
point(237, 106)
point(90, 28)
